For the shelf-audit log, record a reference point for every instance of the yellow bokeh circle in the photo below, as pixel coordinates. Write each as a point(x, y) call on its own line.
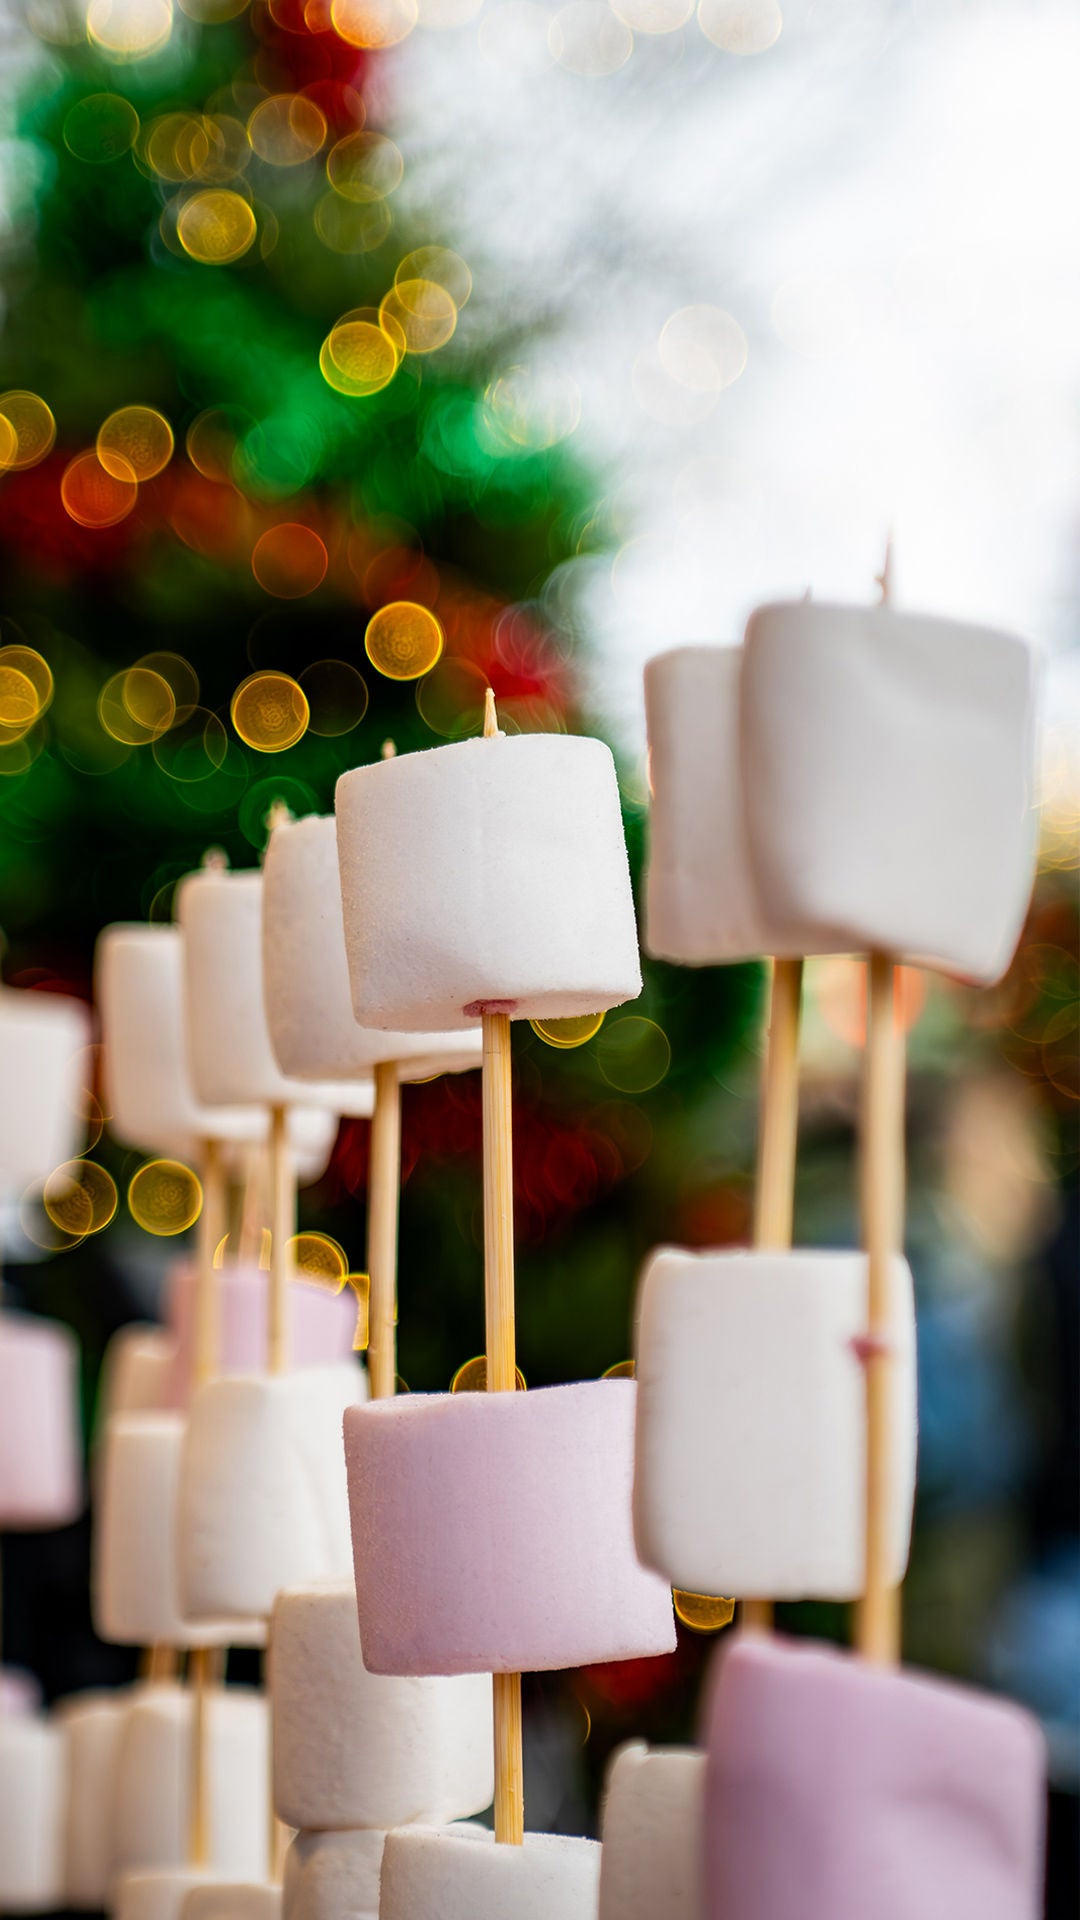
point(374, 23)
point(358, 358)
point(216, 226)
point(286, 130)
point(270, 712)
point(403, 640)
point(352, 226)
point(137, 706)
point(702, 1612)
point(19, 706)
point(471, 1377)
point(129, 29)
point(135, 440)
point(423, 310)
point(80, 1197)
point(32, 424)
point(441, 266)
point(364, 167)
point(622, 1370)
point(572, 1032)
point(165, 1197)
point(315, 1256)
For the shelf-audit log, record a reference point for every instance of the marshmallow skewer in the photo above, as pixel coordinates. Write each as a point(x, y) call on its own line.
point(282, 1232)
point(384, 1186)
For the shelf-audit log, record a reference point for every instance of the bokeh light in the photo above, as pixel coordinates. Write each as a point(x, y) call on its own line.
point(32, 424)
point(350, 226)
point(451, 698)
point(442, 266)
point(135, 441)
point(471, 1377)
point(125, 30)
point(289, 560)
point(179, 676)
point(337, 697)
point(364, 167)
point(572, 1032)
point(654, 16)
point(741, 26)
point(622, 1370)
point(703, 348)
point(31, 670)
point(316, 1256)
point(193, 748)
point(373, 23)
point(588, 38)
point(286, 130)
point(358, 358)
point(164, 1197)
point(216, 226)
point(269, 712)
point(702, 1612)
point(18, 703)
point(94, 496)
point(101, 127)
point(633, 1053)
point(531, 408)
point(423, 311)
point(80, 1198)
point(136, 706)
point(211, 441)
point(403, 640)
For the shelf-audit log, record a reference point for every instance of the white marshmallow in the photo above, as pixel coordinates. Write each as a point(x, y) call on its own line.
point(134, 1371)
point(701, 898)
point(306, 974)
point(233, 1900)
point(333, 1876)
point(231, 1057)
point(358, 1749)
point(652, 1833)
point(429, 1871)
point(155, 1895)
point(134, 1584)
point(91, 1725)
point(31, 1815)
point(750, 1452)
point(263, 1499)
point(153, 1781)
point(888, 771)
point(486, 871)
point(42, 1038)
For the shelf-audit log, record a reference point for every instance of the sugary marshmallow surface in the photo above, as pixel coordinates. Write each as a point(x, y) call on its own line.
point(153, 1781)
point(489, 870)
point(31, 1815)
point(231, 1057)
point(436, 1871)
point(306, 974)
point(888, 773)
point(359, 1749)
point(91, 1725)
point(333, 1876)
point(701, 899)
point(263, 1500)
point(652, 1829)
point(233, 1900)
point(492, 1532)
point(751, 1448)
point(321, 1324)
point(134, 1371)
point(135, 1591)
point(155, 1894)
point(835, 1787)
point(41, 1481)
point(42, 1042)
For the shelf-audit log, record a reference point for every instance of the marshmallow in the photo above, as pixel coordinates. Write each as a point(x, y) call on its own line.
point(40, 1447)
point(20, 1691)
point(233, 1900)
point(489, 871)
point(888, 768)
point(333, 1876)
point(322, 1325)
point(358, 1749)
point(492, 1532)
point(701, 899)
point(153, 1780)
point(263, 1502)
point(231, 1057)
point(134, 1584)
point(751, 1431)
point(429, 1871)
point(652, 1833)
point(155, 1895)
point(836, 1787)
point(31, 1815)
point(134, 1371)
point(42, 1040)
point(306, 974)
point(91, 1725)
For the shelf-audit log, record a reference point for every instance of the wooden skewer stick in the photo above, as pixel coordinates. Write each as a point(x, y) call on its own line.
point(203, 1367)
point(282, 1230)
point(774, 1199)
point(384, 1188)
point(501, 1360)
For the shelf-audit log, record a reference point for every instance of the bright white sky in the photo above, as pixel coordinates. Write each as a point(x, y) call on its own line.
point(884, 201)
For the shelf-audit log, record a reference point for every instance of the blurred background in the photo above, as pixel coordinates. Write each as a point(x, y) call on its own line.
point(555, 336)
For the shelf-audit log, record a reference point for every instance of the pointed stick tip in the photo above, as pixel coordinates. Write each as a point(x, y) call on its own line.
point(491, 718)
point(389, 750)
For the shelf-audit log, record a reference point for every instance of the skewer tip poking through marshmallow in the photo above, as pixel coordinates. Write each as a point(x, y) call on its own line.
point(652, 1829)
point(837, 1787)
point(888, 771)
point(466, 1561)
point(43, 1037)
point(31, 1815)
point(751, 1443)
point(356, 1749)
point(153, 1781)
point(519, 889)
point(306, 973)
point(41, 1481)
point(91, 1725)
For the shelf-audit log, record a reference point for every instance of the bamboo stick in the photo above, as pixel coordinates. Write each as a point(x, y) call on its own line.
point(384, 1188)
point(282, 1230)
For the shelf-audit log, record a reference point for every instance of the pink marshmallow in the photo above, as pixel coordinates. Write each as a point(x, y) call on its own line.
point(40, 1449)
point(321, 1325)
point(834, 1788)
point(493, 1532)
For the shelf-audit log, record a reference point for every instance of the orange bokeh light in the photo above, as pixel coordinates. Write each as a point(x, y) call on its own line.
point(94, 496)
point(289, 561)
